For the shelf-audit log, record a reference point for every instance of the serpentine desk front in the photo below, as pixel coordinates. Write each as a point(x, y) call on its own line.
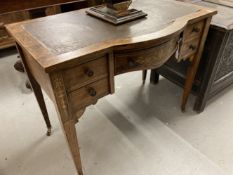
point(74, 57)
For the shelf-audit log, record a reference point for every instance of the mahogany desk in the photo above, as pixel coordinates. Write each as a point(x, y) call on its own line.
point(74, 57)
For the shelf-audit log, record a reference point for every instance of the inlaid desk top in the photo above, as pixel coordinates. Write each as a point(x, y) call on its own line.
point(74, 57)
point(81, 34)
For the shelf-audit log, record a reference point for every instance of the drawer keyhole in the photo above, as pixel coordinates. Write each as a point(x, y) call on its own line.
point(196, 30)
point(92, 92)
point(89, 72)
point(192, 47)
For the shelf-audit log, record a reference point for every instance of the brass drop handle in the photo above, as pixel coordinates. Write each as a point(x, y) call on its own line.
point(192, 47)
point(92, 92)
point(196, 30)
point(89, 72)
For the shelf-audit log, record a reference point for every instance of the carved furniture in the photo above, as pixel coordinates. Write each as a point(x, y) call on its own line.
point(215, 72)
point(74, 57)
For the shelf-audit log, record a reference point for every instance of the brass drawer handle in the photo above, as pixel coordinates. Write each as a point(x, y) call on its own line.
point(89, 72)
point(192, 47)
point(92, 92)
point(196, 30)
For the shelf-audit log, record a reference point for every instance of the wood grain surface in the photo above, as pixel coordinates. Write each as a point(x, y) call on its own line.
point(62, 38)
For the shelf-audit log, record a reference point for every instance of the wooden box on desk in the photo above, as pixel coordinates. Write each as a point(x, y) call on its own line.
point(215, 72)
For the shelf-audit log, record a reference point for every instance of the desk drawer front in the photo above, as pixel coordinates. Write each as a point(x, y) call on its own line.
point(144, 59)
point(89, 94)
point(190, 48)
point(194, 31)
point(86, 73)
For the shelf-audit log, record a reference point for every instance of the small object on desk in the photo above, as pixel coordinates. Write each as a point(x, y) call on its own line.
point(115, 16)
point(119, 5)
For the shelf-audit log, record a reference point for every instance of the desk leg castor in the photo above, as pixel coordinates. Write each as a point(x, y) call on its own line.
point(49, 132)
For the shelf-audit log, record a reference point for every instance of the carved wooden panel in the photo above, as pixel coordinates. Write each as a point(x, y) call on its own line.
point(226, 63)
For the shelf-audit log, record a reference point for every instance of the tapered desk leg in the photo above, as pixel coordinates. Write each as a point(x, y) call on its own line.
point(189, 82)
point(192, 70)
point(71, 136)
point(67, 118)
point(37, 91)
point(40, 99)
point(144, 74)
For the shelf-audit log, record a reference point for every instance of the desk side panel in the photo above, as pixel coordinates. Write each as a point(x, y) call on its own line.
point(35, 70)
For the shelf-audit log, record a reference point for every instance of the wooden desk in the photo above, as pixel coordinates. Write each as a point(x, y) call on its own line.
point(74, 57)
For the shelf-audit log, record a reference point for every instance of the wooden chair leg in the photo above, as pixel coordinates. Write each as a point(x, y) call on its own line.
point(144, 74)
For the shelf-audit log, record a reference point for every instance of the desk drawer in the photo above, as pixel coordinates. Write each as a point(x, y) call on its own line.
point(194, 31)
point(189, 48)
point(144, 59)
point(89, 94)
point(89, 72)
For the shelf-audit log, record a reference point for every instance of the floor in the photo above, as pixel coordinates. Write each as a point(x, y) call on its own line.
point(139, 130)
